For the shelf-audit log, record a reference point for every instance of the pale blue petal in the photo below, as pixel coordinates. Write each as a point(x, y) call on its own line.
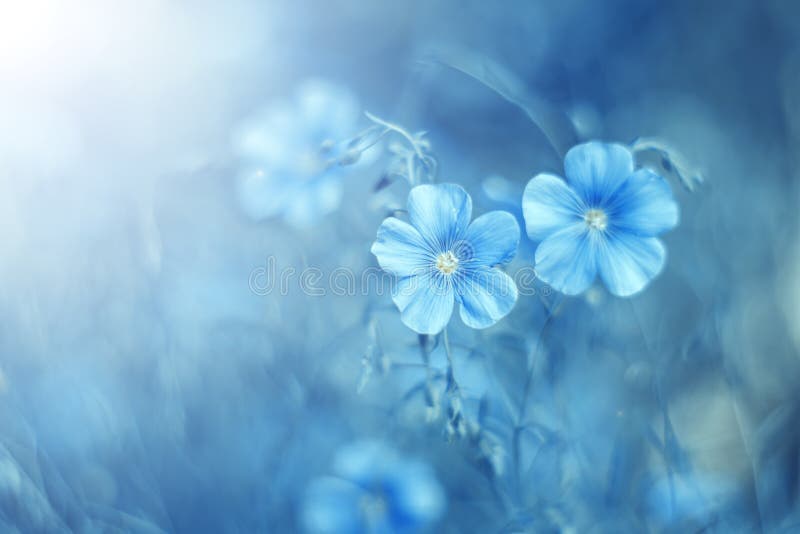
point(595, 170)
point(361, 460)
point(268, 137)
point(628, 262)
point(440, 212)
point(548, 205)
point(263, 194)
point(491, 239)
point(327, 110)
point(317, 199)
point(566, 259)
point(416, 493)
point(644, 205)
point(400, 249)
point(332, 506)
point(486, 295)
point(425, 302)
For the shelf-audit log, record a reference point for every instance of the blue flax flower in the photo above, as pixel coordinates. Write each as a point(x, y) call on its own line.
point(440, 258)
point(289, 154)
point(604, 219)
point(375, 491)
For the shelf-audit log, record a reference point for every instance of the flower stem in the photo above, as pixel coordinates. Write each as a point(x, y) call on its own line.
point(520, 425)
point(389, 126)
point(452, 385)
point(456, 426)
point(446, 340)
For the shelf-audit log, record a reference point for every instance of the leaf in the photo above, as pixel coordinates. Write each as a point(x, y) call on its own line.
point(654, 152)
point(554, 124)
point(776, 460)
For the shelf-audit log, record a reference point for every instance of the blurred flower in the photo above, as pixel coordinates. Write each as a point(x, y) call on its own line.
point(605, 220)
point(440, 258)
point(375, 491)
point(292, 154)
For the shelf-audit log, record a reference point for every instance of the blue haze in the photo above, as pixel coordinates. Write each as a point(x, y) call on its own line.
point(146, 388)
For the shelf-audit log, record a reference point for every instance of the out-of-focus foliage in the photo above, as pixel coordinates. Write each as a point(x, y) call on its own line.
point(158, 374)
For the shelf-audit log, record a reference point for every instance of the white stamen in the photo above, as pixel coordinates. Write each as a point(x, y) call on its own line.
point(596, 219)
point(447, 262)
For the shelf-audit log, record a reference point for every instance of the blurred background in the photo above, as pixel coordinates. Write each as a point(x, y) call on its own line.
point(147, 386)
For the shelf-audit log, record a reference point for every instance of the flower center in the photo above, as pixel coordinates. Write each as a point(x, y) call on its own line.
point(596, 219)
point(447, 262)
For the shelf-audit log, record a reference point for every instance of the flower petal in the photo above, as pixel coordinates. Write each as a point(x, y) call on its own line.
point(331, 505)
point(268, 136)
point(486, 295)
point(566, 259)
point(491, 239)
point(317, 199)
point(440, 212)
point(425, 302)
point(262, 195)
point(628, 262)
point(595, 170)
point(326, 109)
point(400, 249)
point(417, 494)
point(548, 205)
point(644, 205)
